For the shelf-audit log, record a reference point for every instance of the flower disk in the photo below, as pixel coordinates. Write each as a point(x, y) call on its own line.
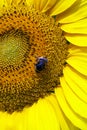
point(25, 35)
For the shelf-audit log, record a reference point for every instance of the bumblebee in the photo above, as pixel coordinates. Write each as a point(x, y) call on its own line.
point(41, 63)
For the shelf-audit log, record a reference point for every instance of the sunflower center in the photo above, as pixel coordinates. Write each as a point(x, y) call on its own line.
point(13, 47)
point(33, 51)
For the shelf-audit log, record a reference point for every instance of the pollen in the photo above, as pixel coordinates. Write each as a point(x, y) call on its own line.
point(25, 35)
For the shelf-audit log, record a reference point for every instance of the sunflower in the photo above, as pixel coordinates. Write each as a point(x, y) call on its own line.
point(43, 65)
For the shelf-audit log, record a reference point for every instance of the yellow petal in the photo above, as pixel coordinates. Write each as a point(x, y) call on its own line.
point(76, 50)
point(70, 114)
point(44, 5)
point(47, 5)
point(76, 82)
point(30, 2)
point(76, 104)
point(65, 124)
point(60, 115)
point(76, 27)
point(41, 116)
point(61, 6)
point(79, 63)
point(37, 4)
point(76, 12)
point(77, 39)
point(6, 123)
point(46, 118)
